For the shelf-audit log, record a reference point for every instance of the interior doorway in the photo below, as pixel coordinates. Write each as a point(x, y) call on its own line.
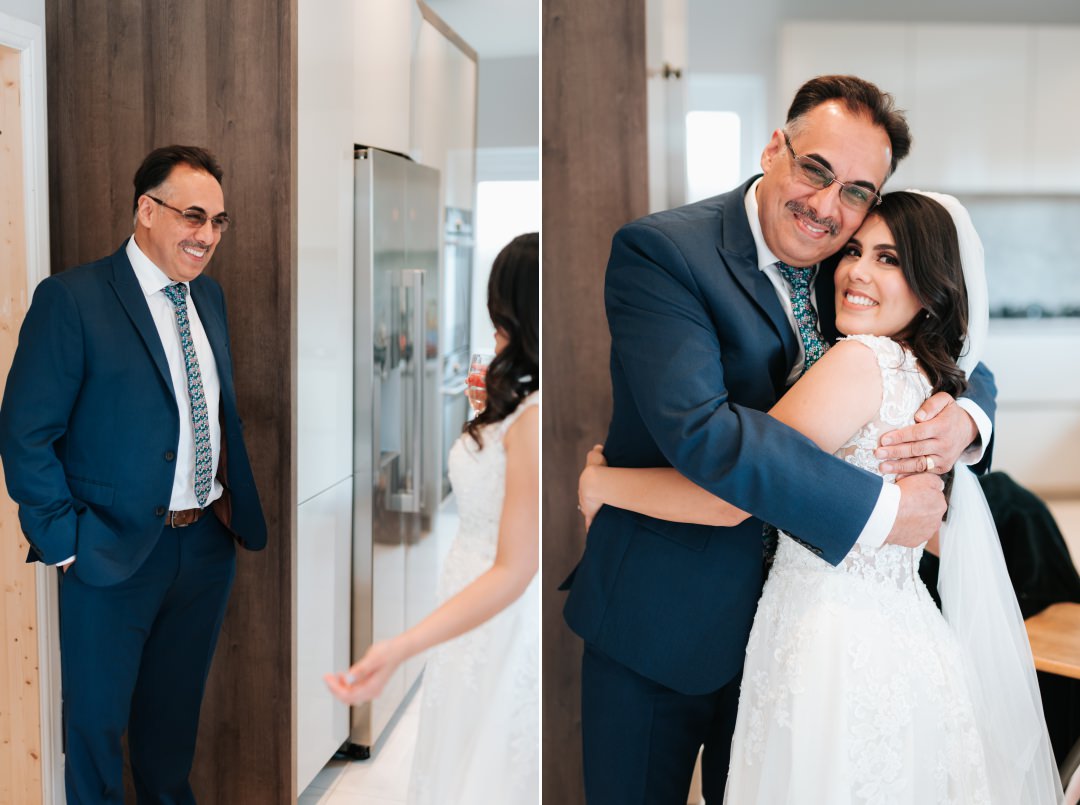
point(32, 770)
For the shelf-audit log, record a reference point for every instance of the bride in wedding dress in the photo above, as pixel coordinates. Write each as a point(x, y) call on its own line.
point(479, 733)
point(856, 688)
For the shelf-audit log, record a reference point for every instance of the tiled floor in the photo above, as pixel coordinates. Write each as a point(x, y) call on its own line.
point(383, 779)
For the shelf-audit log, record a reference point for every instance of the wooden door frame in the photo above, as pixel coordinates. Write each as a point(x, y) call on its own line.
point(29, 40)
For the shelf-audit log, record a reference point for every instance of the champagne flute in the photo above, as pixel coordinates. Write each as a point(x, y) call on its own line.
point(476, 382)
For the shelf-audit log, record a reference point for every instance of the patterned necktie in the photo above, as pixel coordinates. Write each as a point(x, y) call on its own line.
point(814, 347)
point(177, 294)
point(805, 315)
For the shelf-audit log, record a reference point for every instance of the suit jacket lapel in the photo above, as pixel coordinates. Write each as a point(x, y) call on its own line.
point(130, 293)
point(739, 253)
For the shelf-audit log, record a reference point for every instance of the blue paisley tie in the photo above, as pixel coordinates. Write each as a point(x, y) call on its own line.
point(805, 316)
point(177, 294)
point(798, 280)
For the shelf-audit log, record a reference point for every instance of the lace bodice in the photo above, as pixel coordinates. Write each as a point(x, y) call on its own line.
point(853, 690)
point(904, 388)
point(478, 477)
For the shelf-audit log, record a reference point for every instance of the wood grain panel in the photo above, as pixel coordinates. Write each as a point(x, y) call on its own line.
point(126, 77)
point(595, 179)
point(20, 725)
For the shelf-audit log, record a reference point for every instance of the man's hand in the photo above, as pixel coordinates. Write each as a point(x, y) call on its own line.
point(922, 507)
point(941, 433)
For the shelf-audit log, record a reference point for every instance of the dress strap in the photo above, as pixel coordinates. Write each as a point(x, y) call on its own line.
point(530, 401)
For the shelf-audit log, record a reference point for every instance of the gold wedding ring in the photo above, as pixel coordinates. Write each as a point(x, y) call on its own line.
point(929, 463)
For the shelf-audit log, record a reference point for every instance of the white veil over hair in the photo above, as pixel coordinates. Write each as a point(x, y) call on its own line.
point(977, 596)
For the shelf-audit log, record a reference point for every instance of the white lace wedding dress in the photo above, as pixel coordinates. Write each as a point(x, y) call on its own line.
point(853, 689)
point(479, 731)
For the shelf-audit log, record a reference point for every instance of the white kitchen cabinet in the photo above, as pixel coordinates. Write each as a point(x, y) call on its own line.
point(874, 51)
point(382, 51)
point(443, 116)
point(323, 572)
point(1037, 426)
point(970, 107)
point(989, 105)
point(1055, 115)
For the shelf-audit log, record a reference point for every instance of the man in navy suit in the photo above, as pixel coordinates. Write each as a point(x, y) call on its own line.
point(122, 445)
point(706, 336)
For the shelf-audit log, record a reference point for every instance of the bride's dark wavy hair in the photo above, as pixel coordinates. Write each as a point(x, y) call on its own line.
point(514, 307)
point(926, 243)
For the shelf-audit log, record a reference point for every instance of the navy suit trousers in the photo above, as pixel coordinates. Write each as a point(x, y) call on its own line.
point(641, 739)
point(136, 655)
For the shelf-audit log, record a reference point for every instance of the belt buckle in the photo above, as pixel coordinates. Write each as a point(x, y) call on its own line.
point(172, 521)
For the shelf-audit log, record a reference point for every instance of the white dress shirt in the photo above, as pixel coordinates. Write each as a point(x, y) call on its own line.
point(883, 516)
point(153, 281)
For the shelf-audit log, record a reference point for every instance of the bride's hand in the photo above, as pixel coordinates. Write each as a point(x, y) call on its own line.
point(365, 680)
point(588, 504)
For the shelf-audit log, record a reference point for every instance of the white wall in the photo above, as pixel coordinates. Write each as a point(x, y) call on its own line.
point(29, 10)
point(509, 104)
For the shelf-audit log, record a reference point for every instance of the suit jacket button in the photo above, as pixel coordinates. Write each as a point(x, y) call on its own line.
point(160, 511)
point(169, 455)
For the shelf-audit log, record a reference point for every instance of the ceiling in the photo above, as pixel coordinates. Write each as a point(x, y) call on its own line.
point(494, 28)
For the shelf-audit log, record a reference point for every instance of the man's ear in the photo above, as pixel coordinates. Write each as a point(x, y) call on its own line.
point(144, 212)
point(773, 150)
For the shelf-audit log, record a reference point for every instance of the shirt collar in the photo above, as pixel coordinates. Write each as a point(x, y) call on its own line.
point(151, 278)
point(765, 257)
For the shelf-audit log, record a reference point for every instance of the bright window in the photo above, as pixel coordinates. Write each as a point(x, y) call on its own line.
point(504, 210)
point(712, 153)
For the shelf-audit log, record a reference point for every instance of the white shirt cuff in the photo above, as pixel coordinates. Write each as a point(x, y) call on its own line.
point(66, 562)
point(974, 454)
point(882, 518)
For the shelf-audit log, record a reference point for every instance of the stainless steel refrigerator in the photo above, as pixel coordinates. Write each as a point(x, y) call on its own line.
point(397, 404)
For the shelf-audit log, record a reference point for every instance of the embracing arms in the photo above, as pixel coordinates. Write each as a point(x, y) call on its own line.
point(516, 562)
point(838, 395)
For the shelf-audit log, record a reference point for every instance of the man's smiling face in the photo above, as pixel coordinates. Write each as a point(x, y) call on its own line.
point(803, 224)
point(179, 249)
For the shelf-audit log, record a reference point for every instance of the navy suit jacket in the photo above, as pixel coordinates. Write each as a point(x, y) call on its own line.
point(89, 424)
point(701, 348)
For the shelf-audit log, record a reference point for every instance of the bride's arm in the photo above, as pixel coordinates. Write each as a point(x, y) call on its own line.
point(837, 396)
point(659, 492)
point(516, 562)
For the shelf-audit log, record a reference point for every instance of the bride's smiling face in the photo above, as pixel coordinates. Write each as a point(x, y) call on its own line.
point(872, 295)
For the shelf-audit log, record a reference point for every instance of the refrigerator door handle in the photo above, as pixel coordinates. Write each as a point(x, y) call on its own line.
point(410, 499)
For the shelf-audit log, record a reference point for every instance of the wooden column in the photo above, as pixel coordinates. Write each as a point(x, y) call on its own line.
point(20, 725)
point(124, 78)
point(595, 180)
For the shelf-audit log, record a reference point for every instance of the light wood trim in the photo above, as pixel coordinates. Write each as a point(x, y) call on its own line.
point(1055, 639)
point(20, 724)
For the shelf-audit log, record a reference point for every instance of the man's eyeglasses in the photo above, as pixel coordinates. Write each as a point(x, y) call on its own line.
point(817, 175)
point(197, 218)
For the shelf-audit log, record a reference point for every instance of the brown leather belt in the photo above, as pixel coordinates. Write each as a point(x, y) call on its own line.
point(183, 518)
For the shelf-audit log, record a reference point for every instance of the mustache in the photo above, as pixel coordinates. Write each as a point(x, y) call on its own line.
point(806, 212)
point(195, 244)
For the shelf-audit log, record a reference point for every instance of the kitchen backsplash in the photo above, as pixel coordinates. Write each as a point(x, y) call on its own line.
point(1032, 246)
